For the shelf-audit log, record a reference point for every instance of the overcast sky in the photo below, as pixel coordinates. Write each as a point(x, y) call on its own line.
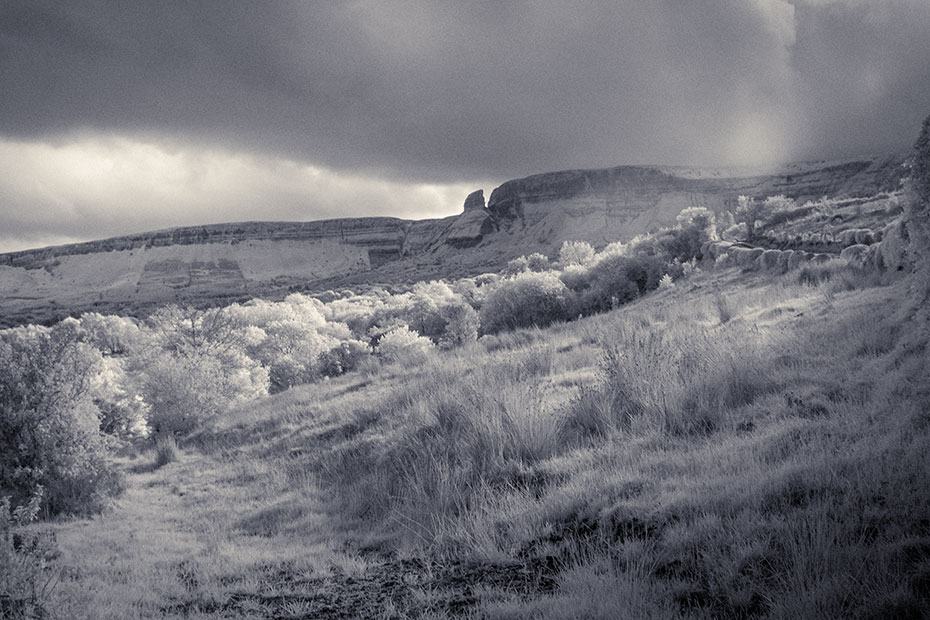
point(120, 117)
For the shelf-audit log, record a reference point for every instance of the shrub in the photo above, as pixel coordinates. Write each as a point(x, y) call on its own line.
point(166, 450)
point(609, 284)
point(575, 277)
point(575, 253)
point(516, 266)
point(462, 324)
point(736, 232)
point(538, 262)
point(399, 344)
point(748, 212)
point(894, 247)
point(468, 290)
point(526, 300)
point(49, 424)
point(111, 335)
point(424, 313)
point(195, 366)
point(122, 412)
point(723, 307)
point(345, 357)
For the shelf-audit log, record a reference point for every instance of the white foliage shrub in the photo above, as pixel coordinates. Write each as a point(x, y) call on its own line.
point(399, 344)
point(575, 253)
point(193, 367)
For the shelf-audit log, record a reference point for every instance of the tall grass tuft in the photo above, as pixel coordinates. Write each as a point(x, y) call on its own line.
point(723, 307)
point(672, 380)
point(166, 450)
point(451, 440)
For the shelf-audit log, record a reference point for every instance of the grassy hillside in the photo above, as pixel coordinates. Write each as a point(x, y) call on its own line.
point(740, 445)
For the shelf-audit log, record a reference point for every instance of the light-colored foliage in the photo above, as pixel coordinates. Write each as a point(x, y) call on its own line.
point(575, 253)
point(401, 345)
point(195, 366)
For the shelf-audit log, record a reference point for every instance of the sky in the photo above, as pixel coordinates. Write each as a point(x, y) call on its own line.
point(119, 117)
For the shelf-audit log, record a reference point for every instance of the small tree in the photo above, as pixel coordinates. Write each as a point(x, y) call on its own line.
point(538, 262)
point(749, 211)
point(516, 266)
point(461, 324)
point(399, 344)
point(195, 366)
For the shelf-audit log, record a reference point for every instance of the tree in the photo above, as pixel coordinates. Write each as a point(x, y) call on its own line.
point(400, 344)
point(462, 324)
point(538, 262)
point(194, 366)
point(917, 210)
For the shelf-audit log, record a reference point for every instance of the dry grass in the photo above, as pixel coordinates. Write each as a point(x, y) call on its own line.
point(669, 463)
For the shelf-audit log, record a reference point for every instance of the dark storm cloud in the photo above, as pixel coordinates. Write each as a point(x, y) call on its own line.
point(432, 90)
point(117, 116)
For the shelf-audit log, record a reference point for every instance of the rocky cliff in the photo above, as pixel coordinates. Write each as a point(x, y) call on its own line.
point(601, 206)
point(535, 213)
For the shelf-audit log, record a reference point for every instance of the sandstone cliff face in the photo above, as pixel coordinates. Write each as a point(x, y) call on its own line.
point(600, 206)
point(532, 214)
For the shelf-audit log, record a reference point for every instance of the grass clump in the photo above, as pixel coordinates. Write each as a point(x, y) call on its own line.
point(677, 381)
point(166, 450)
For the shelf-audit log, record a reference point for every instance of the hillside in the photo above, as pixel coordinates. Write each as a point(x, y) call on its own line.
point(216, 264)
point(773, 466)
point(700, 423)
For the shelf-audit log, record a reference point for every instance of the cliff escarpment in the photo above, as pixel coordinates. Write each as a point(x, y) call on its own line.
point(205, 264)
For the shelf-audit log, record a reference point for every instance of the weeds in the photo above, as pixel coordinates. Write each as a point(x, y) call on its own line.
point(26, 576)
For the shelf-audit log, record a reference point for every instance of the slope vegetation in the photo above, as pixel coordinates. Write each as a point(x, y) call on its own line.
point(737, 446)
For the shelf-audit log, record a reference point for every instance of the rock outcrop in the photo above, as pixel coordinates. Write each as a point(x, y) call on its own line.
point(469, 228)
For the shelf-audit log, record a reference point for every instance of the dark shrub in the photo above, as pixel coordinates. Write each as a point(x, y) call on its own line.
point(526, 300)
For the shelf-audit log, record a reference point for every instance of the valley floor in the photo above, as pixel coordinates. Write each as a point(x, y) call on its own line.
point(738, 446)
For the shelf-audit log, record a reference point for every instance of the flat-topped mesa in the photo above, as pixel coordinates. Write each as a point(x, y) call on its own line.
point(376, 233)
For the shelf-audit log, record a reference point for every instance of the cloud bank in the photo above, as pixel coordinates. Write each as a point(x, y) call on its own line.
point(384, 98)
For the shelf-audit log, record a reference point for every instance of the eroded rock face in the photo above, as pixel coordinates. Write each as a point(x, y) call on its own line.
point(600, 206)
point(533, 214)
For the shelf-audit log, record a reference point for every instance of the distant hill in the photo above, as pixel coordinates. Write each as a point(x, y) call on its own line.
point(218, 263)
